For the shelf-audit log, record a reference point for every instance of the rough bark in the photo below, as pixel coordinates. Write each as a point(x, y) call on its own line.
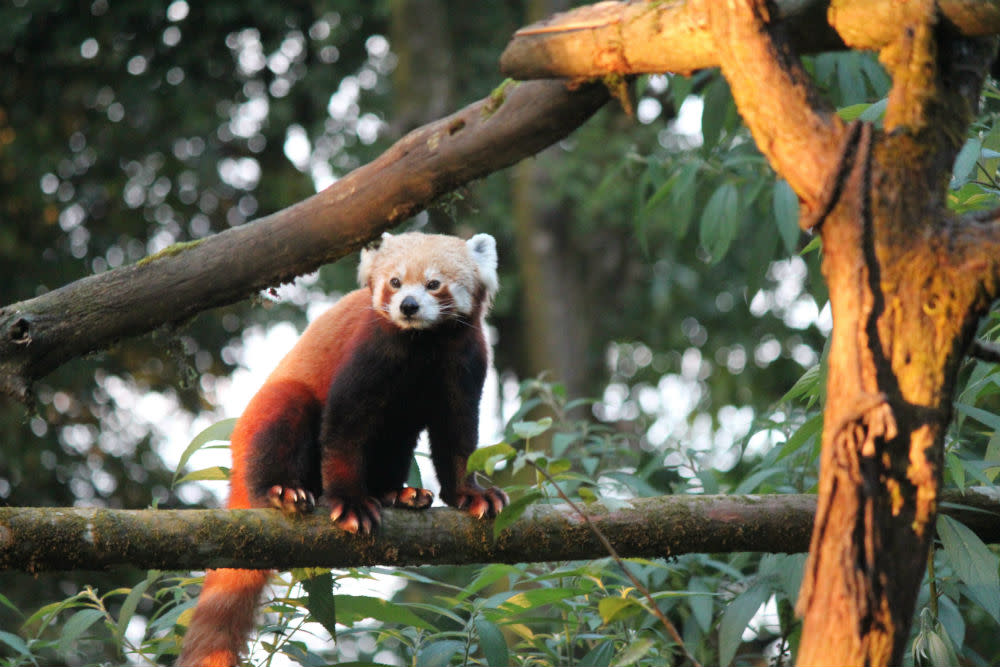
point(908, 280)
point(907, 290)
point(40, 334)
point(39, 539)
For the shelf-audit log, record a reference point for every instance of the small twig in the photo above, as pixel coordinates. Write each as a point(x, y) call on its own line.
point(671, 629)
point(985, 351)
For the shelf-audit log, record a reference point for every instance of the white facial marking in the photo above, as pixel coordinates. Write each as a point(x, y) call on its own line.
point(462, 298)
point(426, 313)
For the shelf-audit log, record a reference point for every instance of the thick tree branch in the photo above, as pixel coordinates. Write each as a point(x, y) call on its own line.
point(39, 334)
point(643, 38)
point(39, 539)
point(654, 37)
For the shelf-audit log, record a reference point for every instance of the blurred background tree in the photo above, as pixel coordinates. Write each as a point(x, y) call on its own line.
point(649, 261)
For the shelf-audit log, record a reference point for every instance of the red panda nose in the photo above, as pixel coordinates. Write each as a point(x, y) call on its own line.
point(409, 306)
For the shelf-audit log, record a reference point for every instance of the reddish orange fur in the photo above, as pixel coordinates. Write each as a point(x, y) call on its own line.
point(272, 432)
point(221, 623)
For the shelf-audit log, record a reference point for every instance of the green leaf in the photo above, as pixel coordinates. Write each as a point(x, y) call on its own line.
point(321, 602)
point(486, 458)
point(786, 214)
point(877, 76)
point(717, 103)
point(526, 430)
point(492, 643)
point(737, 617)
point(559, 466)
point(720, 220)
point(993, 449)
point(354, 608)
point(802, 436)
point(75, 626)
point(439, 653)
point(751, 483)
point(220, 430)
point(973, 562)
point(635, 651)
point(701, 605)
point(965, 163)
point(983, 416)
point(487, 576)
point(618, 609)
point(213, 474)
point(15, 643)
point(600, 655)
point(130, 604)
point(682, 199)
point(10, 605)
point(808, 382)
point(953, 464)
point(875, 111)
point(539, 597)
point(413, 477)
point(849, 79)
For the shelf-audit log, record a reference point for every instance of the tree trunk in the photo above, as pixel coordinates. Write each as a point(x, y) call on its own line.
point(907, 290)
point(908, 280)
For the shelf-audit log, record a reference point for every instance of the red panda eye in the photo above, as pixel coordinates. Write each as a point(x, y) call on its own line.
point(395, 283)
point(433, 285)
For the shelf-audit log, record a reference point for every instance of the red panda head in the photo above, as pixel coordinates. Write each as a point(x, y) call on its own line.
point(420, 280)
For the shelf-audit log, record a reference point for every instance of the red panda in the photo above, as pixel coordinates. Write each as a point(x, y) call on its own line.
point(340, 415)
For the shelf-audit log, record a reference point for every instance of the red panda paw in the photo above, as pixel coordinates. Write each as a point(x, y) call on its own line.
point(291, 499)
point(355, 515)
point(480, 502)
point(410, 497)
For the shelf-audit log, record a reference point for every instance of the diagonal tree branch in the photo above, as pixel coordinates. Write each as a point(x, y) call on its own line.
point(40, 334)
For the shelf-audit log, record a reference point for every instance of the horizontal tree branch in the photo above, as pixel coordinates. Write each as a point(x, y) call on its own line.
point(655, 37)
point(517, 121)
point(40, 539)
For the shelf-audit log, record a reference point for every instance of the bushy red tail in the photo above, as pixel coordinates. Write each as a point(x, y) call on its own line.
point(223, 619)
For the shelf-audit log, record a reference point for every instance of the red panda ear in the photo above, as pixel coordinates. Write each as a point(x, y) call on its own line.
point(483, 249)
point(368, 258)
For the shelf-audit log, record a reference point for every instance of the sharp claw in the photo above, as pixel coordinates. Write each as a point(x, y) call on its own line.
point(349, 523)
